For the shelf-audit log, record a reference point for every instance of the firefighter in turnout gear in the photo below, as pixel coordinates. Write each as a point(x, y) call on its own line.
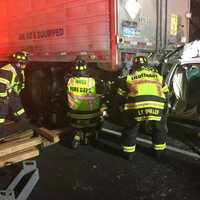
point(83, 103)
point(12, 82)
point(141, 96)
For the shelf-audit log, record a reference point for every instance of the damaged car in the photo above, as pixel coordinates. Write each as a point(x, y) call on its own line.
point(181, 70)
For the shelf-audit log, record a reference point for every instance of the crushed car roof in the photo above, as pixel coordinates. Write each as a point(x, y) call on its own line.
point(191, 53)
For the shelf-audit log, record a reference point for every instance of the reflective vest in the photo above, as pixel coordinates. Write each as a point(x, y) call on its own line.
point(82, 94)
point(13, 84)
point(145, 94)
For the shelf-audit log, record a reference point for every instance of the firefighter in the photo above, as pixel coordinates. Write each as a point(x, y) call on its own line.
point(83, 102)
point(12, 82)
point(141, 97)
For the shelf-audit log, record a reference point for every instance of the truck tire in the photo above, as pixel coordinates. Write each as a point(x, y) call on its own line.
point(38, 95)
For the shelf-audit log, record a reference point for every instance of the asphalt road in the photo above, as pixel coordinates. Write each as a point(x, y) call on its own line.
point(101, 174)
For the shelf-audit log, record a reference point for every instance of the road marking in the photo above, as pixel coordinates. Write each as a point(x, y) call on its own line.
point(146, 141)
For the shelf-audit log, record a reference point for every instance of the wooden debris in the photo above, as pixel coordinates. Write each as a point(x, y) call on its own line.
point(23, 135)
point(18, 156)
point(22, 145)
point(48, 134)
point(50, 137)
point(14, 146)
point(61, 131)
point(46, 142)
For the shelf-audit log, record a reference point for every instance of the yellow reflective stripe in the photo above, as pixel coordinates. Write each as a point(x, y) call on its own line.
point(9, 67)
point(129, 149)
point(77, 137)
point(91, 83)
point(159, 146)
point(150, 102)
point(83, 116)
point(84, 97)
point(19, 112)
point(165, 89)
point(2, 120)
point(144, 118)
point(4, 81)
point(3, 94)
point(145, 104)
point(121, 92)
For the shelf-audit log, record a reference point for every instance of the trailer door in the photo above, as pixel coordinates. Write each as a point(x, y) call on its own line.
point(177, 22)
point(137, 24)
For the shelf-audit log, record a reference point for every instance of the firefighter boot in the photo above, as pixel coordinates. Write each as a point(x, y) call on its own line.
point(128, 151)
point(159, 154)
point(128, 156)
point(76, 140)
point(87, 138)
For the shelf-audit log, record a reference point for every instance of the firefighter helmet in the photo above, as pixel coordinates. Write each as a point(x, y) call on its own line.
point(80, 64)
point(19, 57)
point(140, 61)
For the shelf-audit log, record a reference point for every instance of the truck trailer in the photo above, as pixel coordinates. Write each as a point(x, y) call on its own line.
point(107, 33)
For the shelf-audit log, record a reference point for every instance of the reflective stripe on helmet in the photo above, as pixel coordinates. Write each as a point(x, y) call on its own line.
point(19, 57)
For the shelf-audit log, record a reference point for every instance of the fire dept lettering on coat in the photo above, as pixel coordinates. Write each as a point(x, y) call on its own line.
point(143, 75)
point(148, 111)
point(81, 90)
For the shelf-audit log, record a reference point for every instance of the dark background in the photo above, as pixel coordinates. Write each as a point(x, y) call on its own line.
point(195, 20)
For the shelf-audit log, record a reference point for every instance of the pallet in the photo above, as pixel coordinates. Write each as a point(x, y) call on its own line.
point(18, 156)
point(18, 147)
point(50, 137)
point(22, 146)
point(17, 136)
point(15, 146)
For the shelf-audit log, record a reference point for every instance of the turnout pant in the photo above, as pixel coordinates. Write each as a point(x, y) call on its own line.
point(132, 128)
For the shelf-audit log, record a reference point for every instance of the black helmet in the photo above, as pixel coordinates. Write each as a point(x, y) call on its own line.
point(19, 57)
point(139, 61)
point(80, 65)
